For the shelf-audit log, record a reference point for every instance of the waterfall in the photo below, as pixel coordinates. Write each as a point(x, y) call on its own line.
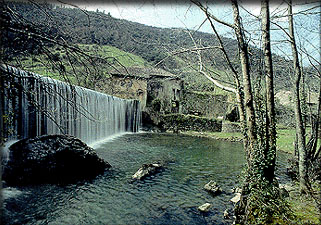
point(35, 105)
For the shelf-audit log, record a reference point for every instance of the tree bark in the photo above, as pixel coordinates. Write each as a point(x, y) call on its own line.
point(300, 131)
point(315, 152)
point(248, 95)
point(270, 150)
point(1, 139)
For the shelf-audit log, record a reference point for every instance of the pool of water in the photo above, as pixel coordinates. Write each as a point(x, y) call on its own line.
point(169, 197)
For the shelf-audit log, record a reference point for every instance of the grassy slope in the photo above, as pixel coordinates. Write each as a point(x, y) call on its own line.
point(40, 64)
point(125, 58)
point(285, 138)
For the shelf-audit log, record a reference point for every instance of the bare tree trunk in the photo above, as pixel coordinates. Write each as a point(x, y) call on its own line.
point(239, 90)
point(315, 152)
point(258, 189)
point(1, 140)
point(270, 150)
point(248, 96)
point(300, 131)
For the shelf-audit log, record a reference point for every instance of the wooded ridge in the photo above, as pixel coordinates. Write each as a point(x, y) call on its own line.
point(168, 48)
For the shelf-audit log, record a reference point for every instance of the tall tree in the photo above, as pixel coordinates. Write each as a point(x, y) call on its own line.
point(300, 130)
point(248, 94)
point(259, 184)
point(270, 150)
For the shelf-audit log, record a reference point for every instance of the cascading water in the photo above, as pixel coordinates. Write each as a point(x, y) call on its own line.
point(35, 105)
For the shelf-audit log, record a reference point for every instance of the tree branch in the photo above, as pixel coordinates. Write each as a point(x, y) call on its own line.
point(215, 82)
point(204, 9)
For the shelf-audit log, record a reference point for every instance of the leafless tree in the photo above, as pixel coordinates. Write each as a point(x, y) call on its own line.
point(300, 131)
point(261, 154)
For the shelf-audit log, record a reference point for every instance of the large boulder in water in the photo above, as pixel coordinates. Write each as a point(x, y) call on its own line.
point(51, 159)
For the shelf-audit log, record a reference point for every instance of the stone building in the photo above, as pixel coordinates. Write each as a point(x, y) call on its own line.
point(162, 93)
point(159, 91)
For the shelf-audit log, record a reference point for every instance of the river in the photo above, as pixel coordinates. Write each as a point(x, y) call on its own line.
point(169, 197)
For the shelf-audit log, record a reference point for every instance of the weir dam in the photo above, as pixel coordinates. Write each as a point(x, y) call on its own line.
point(33, 105)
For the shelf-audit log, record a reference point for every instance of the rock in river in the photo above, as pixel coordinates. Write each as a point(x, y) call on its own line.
point(236, 198)
point(205, 207)
point(51, 159)
point(147, 170)
point(226, 214)
point(213, 187)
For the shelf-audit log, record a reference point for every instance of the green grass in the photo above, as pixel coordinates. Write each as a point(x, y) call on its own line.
point(81, 70)
point(217, 135)
point(124, 58)
point(285, 139)
point(304, 207)
point(226, 135)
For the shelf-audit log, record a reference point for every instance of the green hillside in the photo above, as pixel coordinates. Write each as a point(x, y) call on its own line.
point(74, 67)
point(157, 46)
point(150, 43)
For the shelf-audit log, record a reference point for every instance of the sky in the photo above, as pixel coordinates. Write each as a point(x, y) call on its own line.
point(180, 14)
point(169, 14)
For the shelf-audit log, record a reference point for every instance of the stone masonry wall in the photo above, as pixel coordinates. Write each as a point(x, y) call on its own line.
point(181, 122)
point(203, 104)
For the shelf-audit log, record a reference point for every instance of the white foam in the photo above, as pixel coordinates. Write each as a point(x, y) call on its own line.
point(5, 150)
point(10, 192)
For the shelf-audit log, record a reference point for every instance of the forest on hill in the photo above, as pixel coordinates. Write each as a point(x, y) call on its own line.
point(169, 49)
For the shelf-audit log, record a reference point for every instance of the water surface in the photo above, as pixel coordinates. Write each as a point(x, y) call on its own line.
point(170, 197)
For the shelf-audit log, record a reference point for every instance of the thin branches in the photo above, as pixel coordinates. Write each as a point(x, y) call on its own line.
point(204, 9)
point(201, 70)
point(193, 50)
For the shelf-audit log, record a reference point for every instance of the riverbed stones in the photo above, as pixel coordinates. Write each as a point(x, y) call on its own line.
point(51, 159)
point(213, 187)
point(285, 190)
point(236, 190)
point(147, 170)
point(205, 207)
point(287, 187)
point(236, 198)
point(226, 214)
point(284, 193)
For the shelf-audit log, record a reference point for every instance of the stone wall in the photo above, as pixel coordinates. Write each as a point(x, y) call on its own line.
point(127, 87)
point(164, 96)
point(230, 127)
point(205, 104)
point(181, 122)
point(166, 93)
point(156, 89)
